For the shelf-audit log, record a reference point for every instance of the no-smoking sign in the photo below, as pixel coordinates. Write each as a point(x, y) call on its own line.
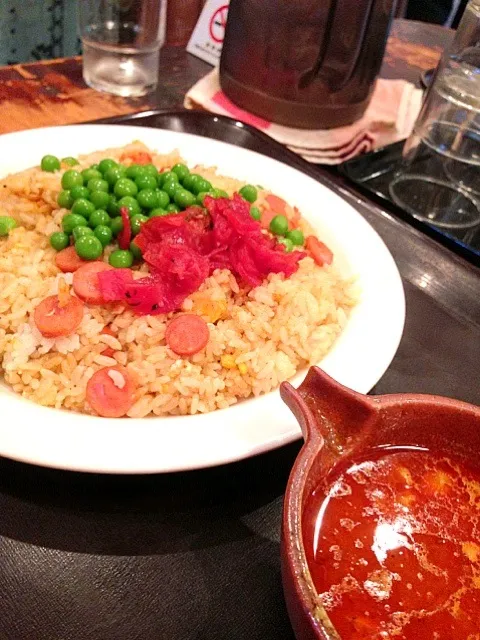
point(207, 37)
point(217, 25)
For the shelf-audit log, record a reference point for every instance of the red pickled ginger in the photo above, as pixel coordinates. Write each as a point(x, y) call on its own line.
point(183, 249)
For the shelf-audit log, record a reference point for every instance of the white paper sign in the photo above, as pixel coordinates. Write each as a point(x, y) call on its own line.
point(207, 37)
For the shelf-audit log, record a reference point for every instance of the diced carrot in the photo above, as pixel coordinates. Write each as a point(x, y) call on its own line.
point(67, 260)
point(111, 392)
point(53, 320)
point(108, 351)
point(319, 251)
point(187, 334)
point(276, 204)
point(137, 157)
point(85, 281)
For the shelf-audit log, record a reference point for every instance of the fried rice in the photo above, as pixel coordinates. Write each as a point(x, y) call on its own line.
point(258, 337)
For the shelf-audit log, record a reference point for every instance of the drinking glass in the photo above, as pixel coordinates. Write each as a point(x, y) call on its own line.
point(438, 180)
point(121, 42)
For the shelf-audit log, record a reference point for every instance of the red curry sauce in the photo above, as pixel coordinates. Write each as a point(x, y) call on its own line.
point(394, 547)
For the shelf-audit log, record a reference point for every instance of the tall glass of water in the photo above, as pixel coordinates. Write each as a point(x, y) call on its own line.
point(439, 178)
point(121, 42)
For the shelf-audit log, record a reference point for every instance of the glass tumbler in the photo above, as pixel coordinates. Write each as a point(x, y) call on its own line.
point(438, 180)
point(121, 41)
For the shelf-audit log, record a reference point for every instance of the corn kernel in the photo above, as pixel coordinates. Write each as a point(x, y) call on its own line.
point(227, 361)
point(242, 367)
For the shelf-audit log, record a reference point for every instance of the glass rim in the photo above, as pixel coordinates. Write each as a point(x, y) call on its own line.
point(441, 183)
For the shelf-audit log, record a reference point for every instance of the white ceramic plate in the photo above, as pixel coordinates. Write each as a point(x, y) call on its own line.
point(61, 439)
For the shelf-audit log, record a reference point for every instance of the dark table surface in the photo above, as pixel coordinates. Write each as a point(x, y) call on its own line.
point(195, 556)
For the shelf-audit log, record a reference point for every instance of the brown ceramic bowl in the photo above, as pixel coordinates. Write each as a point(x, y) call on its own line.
point(338, 423)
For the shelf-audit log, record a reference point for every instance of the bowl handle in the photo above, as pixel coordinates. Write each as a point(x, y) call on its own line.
point(328, 412)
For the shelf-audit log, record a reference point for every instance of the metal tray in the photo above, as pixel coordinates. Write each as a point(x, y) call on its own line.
point(195, 556)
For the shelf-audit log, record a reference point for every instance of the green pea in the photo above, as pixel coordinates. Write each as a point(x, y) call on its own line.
point(205, 184)
point(150, 170)
point(79, 232)
point(99, 217)
point(90, 174)
point(255, 213)
point(288, 244)
point(145, 181)
point(80, 192)
point(170, 186)
point(172, 208)
point(69, 161)
point(64, 199)
point(161, 178)
point(60, 240)
point(100, 199)
point(147, 198)
point(134, 171)
point(184, 198)
point(125, 187)
point(199, 184)
point(121, 258)
point(295, 236)
point(72, 220)
point(135, 250)
point(114, 174)
point(7, 223)
point(170, 175)
point(181, 170)
point(83, 207)
point(97, 184)
point(220, 193)
point(156, 213)
point(279, 225)
point(89, 247)
point(50, 164)
point(131, 204)
point(104, 234)
point(190, 180)
point(116, 225)
point(162, 198)
point(249, 193)
point(72, 178)
point(95, 166)
point(106, 164)
point(136, 222)
point(112, 207)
